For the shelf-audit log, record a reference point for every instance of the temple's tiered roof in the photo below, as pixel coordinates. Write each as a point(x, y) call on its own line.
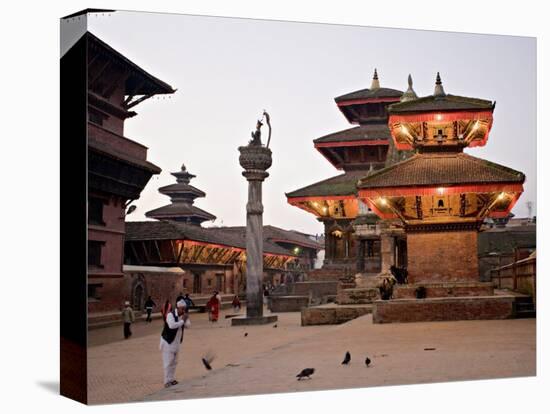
point(182, 196)
point(340, 185)
point(368, 132)
point(441, 169)
point(365, 94)
point(139, 82)
point(440, 103)
point(180, 211)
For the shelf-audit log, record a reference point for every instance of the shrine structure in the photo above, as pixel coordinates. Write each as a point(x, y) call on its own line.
point(352, 230)
point(440, 197)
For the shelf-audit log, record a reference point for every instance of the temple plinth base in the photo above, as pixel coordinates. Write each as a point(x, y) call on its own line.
point(441, 290)
point(443, 309)
point(257, 320)
point(369, 280)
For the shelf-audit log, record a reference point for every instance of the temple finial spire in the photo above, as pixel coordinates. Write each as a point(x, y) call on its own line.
point(375, 82)
point(438, 86)
point(409, 94)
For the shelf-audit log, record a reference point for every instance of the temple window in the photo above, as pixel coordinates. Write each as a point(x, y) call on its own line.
point(93, 292)
point(94, 253)
point(95, 211)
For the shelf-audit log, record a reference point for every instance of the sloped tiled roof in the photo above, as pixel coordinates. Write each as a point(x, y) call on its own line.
point(340, 185)
point(369, 94)
point(433, 169)
point(139, 82)
point(171, 230)
point(359, 133)
point(181, 188)
point(179, 210)
point(440, 103)
point(276, 234)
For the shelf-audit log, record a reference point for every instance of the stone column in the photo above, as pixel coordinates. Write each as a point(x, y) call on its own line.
point(360, 255)
point(255, 159)
point(387, 251)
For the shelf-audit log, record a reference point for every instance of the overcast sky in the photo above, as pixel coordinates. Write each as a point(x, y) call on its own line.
point(228, 70)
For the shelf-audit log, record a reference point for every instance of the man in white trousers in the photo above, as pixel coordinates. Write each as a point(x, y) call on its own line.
point(171, 339)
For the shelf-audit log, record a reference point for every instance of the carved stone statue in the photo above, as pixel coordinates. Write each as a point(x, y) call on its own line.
point(257, 135)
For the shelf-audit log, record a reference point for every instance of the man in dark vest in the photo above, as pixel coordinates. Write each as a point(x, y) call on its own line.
point(171, 338)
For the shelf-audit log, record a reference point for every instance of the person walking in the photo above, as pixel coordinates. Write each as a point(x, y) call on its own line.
point(149, 305)
point(213, 306)
point(128, 318)
point(266, 295)
point(189, 301)
point(236, 304)
point(170, 340)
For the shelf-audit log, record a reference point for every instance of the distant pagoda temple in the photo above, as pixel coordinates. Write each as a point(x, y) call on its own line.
point(182, 196)
point(352, 233)
point(440, 196)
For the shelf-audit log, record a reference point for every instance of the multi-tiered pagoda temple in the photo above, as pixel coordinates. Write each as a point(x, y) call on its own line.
point(182, 196)
point(358, 151)
point(440, 197)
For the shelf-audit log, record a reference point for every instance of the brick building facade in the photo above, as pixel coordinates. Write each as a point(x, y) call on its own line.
point(118, 169)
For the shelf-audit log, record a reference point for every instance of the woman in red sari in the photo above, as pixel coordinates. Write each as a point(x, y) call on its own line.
point(213, 306)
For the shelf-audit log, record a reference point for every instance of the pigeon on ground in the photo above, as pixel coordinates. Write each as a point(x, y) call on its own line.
point(367, 362)
point(275, 325)
point(305, 373)
point(246, 334)
point(347, 359)
point(207, 360)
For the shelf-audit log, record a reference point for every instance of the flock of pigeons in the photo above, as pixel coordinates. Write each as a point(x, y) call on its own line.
point(307, 372)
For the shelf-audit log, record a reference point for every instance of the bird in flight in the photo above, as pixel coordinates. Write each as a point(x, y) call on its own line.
point(347, 359)
point(275, 325)
point(246, 334)
point(367, 362)
point(307, 372)
point(207, 360)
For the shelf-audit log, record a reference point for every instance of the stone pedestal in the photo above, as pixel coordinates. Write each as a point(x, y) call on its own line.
point(255, 159)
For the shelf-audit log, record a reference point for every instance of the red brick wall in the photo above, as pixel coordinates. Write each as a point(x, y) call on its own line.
point(443, 309)
point(444, 290)
point(112, 295)
point(442, 256)
point(112, 233)
point(161, 286)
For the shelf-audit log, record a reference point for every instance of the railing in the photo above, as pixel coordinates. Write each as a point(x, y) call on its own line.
point(519, 276)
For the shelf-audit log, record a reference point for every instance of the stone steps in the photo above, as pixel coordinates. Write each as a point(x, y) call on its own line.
point(357, 296)
point(325, 274)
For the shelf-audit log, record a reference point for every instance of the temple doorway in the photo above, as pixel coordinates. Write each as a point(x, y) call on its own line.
point(401, 252)
point(197, 285)
point(138, 297)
